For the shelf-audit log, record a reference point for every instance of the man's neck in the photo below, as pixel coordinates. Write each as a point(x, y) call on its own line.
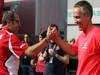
point(88, 28)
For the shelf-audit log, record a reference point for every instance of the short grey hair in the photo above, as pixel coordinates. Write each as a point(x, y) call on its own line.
point(86, 7)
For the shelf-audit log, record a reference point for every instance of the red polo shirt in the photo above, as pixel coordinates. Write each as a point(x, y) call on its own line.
point(10, 49)
point(87, 47)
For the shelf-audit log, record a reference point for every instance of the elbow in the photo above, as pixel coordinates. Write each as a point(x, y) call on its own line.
point(29, 53)
point(73, 54)
point(66, 59)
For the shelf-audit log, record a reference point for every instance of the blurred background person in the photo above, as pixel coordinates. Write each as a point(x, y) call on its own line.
point(40, 64)
point(25, 67)
point(55, 59)
point(27, 39)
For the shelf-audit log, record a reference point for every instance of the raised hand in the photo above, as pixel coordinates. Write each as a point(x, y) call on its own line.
point(51, 52)
point(52, 33)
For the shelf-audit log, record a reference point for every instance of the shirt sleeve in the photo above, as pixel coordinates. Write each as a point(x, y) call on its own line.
point(75, 47)
point(96, 43)
point(16, 46)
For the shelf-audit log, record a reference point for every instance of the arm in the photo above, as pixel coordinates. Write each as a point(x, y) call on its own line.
point(35, 49)
point(64, 59)
point(33, 62)
point(65, 46)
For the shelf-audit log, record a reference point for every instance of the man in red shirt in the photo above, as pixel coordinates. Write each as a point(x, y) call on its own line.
point(11, 47)
point(87, 46)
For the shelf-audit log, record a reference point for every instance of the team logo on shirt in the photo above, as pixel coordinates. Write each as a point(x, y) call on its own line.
point(85, 45)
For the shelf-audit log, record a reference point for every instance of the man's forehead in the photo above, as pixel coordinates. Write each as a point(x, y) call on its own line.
point(75, 9)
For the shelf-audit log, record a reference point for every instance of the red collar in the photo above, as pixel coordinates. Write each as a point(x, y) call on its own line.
point(6, 28)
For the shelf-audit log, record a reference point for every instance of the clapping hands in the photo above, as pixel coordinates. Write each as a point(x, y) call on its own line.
point(52, 33)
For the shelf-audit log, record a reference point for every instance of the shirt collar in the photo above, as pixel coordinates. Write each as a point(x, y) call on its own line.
point(6, 28)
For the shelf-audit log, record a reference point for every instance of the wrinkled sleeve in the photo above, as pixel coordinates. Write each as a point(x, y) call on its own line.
point(16, 46)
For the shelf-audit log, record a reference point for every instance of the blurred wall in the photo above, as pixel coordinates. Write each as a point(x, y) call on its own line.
point(51, 12)
point(26, 10)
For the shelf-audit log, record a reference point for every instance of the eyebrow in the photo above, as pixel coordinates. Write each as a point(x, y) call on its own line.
point(76, 16)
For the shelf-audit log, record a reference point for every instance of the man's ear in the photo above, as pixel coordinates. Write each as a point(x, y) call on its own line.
point(7, 21)
point(12, 18)
point(88, 15)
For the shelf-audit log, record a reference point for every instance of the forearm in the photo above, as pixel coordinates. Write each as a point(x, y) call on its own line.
point(65, 46)
point(63, 59)
point(35, 49)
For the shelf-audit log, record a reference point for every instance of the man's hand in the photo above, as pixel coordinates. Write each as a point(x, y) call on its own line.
point(51, 52)
point(52, 33)
point(44, 54)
